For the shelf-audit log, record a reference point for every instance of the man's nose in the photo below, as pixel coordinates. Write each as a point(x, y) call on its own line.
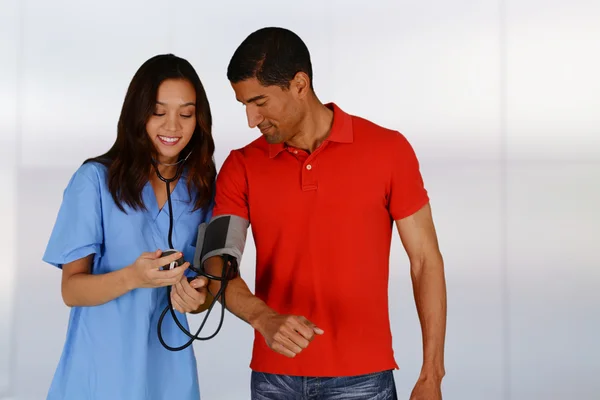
point(254, 117)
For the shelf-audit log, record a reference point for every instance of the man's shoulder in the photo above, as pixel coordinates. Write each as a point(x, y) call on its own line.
point(257, 147)
point(240, 157)
point(375, 133)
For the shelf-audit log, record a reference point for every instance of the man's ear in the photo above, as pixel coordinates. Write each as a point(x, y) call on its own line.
point(300, 84)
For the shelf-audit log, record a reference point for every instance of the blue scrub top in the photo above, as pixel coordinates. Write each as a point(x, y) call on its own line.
point(112, 351)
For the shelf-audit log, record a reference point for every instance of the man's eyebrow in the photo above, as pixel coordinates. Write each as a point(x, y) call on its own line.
point(253, 99)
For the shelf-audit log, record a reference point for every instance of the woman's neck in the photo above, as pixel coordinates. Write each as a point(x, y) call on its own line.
point(166, 167)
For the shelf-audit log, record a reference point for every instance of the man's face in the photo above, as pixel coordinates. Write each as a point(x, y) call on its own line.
point(275, 111)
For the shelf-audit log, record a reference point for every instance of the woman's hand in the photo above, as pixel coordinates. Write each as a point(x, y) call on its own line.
point(191, 297)
point(145, 272)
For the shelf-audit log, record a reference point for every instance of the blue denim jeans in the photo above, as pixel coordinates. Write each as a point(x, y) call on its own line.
point(376, 386)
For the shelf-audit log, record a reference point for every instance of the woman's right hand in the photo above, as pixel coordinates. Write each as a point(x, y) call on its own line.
point(146, 272)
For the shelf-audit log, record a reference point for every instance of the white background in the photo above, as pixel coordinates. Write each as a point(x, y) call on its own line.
point(499, 98)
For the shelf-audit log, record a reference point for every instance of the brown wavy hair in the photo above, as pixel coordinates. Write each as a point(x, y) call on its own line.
point(129, 160)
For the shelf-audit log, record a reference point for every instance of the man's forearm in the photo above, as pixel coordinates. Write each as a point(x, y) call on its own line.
point(245, 305)
point(430, 298)
point(239, 299)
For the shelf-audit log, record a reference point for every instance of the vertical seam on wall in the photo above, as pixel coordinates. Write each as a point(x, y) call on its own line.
point(506, 359)
point(12, 351)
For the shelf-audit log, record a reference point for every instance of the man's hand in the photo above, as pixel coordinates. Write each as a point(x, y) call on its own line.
point(427, 389)
point(287, 334)
point(189, 297)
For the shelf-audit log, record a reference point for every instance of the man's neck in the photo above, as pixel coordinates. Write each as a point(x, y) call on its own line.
point(315, 127)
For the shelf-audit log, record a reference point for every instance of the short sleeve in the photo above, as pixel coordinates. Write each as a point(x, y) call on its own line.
point(209, 210)
point(231, 194)
point(407, 192)
point(77, 231)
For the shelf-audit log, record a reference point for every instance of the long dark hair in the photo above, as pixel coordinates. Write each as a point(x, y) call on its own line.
point(129, 160)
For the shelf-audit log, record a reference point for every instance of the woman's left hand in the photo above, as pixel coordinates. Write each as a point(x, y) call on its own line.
point(190, 297)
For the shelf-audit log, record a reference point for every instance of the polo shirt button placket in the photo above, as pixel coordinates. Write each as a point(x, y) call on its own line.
point(309, 179)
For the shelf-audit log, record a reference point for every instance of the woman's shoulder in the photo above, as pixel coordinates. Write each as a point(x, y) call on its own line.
point(90, 173)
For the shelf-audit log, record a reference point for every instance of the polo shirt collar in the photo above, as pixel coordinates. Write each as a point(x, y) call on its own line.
point(341, 130)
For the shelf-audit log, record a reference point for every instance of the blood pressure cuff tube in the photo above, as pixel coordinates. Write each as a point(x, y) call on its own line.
point(223, 235)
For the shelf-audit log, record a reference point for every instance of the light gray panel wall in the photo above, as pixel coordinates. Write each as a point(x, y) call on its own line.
point(9, 89)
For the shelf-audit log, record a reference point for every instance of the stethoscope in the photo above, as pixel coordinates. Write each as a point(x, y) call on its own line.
point(198, 270)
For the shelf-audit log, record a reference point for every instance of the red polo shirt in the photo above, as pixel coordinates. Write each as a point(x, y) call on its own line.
point(322, 224)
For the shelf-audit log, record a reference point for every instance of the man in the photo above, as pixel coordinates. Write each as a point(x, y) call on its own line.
point(321, 190)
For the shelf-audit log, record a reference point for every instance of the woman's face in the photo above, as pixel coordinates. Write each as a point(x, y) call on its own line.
point(173, 122)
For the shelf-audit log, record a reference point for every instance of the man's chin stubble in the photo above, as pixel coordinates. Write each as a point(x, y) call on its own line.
point(273, 139)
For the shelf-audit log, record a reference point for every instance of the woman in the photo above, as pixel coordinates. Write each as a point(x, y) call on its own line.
point(109, 233)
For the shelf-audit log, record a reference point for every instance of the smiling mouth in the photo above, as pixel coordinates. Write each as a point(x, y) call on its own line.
point(265, 129)
point(168, 140)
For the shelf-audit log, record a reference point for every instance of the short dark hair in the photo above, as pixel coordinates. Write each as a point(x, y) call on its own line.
point(129, 160)
point(271, 55)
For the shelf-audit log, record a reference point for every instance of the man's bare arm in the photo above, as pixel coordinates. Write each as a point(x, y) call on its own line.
point(419, 238)
point(239, 299)
point(285, 334)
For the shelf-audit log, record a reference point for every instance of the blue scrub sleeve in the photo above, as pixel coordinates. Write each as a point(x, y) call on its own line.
point(78, 228)
point(209, 210)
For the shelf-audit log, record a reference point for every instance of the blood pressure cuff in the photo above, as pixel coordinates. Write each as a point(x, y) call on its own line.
point(224, 235)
